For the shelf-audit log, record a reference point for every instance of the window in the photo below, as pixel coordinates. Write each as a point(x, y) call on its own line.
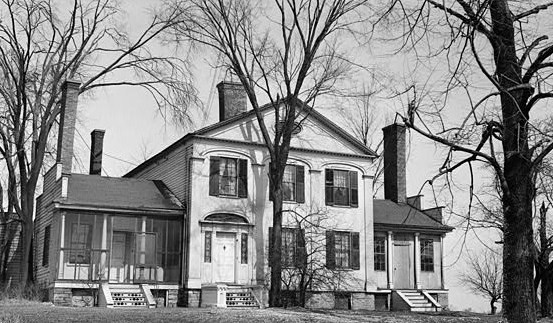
point(207, 247)
point(379, 253)
point(46, 246)
point(427, 254)
point(81, 243)
point(293, 183)
point(293, 252)
point(342, 250)
point(228, 177)
point(244, 249)
point(341, 187)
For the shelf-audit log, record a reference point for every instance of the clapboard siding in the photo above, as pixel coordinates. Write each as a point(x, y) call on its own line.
point(170, 169)
point(13, 269)
point(44, 217)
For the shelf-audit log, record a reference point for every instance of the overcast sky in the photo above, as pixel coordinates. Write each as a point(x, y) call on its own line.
point(135, 131)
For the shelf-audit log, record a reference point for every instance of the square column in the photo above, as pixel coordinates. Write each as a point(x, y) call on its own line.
point(104, 247)
point(390, 260)
point(62, 245)
point(417, 261)
point(442, 269)
point(367, 234)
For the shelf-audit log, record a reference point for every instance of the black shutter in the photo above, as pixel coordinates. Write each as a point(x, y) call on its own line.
point(330, 254)
point(355, 257)
point(214, 176)
point(270, 245)
point(300, 184)
point(242, 178)
point(301, 252)
point(329, 187)
point(353, 196)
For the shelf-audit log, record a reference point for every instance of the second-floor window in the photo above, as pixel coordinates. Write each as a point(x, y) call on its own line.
point(228, 177)
point(341, 187)
point(293, 184)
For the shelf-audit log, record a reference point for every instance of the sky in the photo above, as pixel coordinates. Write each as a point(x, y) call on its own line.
point(135, 130)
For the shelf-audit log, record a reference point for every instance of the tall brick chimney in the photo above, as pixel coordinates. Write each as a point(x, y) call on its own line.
point(395, 185)
point(97, 145)
point(232, 99)
point(68, 115)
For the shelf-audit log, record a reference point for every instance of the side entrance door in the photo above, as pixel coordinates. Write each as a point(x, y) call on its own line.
point(225, 257)
point(121, 266)
point(403, 262)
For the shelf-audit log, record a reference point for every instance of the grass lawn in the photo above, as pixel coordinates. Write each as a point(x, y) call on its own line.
point(13, 312)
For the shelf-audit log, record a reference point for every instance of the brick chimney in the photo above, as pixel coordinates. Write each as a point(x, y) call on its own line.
point(97, 145)
point(68, 115)
point(394, 163)
point(232, 99)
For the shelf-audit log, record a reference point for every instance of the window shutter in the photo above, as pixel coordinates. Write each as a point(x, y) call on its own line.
point(214, 176)
point(354, 199)
point(242, 178)
point(329, 187)
point(301, 252)
point(300, 184)
point(270, 245)
point(330, 254)
point(355, 257)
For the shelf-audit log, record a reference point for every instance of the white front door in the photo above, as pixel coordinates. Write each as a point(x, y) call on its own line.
point(225, 254)
point(403, 264)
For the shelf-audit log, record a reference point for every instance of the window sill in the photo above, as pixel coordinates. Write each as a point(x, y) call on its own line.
point(232, 197)
point(344, 206)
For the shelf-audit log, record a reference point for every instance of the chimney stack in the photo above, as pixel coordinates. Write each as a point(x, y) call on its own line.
point(395, 187)
point(96, 148)
point(68, 115)
point(232, 99)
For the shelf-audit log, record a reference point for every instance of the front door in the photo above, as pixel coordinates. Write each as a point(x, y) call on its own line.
point(225, 254)
point(121, 266)
point(403, 264)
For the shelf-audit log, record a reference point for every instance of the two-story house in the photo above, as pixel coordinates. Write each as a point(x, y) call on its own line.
point(193, 222)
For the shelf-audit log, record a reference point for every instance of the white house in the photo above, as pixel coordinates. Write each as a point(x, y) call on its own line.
point(195, 220)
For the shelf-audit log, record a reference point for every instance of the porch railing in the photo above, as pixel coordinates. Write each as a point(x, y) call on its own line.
point(89, 265)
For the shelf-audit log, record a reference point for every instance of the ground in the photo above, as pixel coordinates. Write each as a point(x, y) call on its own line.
point(15, 312)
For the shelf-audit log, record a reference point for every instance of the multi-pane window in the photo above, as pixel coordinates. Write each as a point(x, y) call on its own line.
point(81, 243)
point(293, 186)
point(341, 187)
point(427, 254)
point(207, 247)
point(379, 254)
point(46, 246)
point(228, 177)
point(342, 250)
point(244, 249)
point(292, 249)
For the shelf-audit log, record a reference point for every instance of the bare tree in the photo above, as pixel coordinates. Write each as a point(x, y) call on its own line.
point(285, 51)
point(41, 46)
point(484, 277)
point(494, 69)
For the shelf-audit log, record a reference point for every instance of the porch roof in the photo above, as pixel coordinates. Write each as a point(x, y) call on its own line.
point(402, 215)
point(120, 193)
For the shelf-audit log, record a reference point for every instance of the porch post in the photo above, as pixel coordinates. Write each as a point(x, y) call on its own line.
point(390, 261)
point(104, 246)
point(62, 245)
point(417, 261)
point(143, 247)
point(442, 270)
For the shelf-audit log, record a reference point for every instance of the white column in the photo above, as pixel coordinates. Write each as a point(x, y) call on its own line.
point(104, 246)
point(417, 261)
point(62, 245)
point(199, 191)
point(390, 258)
point(367, 234)
point(142, 259)
point(442, 269)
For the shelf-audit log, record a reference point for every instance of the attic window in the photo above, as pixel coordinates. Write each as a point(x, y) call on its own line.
point(296, 130)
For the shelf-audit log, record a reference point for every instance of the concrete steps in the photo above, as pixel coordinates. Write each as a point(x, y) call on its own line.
point(127, 296)
point(419, 301)
point(240, 298)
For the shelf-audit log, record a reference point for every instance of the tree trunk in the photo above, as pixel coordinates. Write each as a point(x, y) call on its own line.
point(546, 304)
point(276, 251)
point(493, 309)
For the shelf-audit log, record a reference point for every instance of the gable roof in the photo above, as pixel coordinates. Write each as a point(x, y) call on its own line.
point(246, 116)
point(390, 214)
point(119, 193)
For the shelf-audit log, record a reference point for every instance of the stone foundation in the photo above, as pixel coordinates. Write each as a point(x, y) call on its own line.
point(442, 299)
point(83, 298)
point(189, 297)
point(61, 296)
point(172, 298)
point(362, 301)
